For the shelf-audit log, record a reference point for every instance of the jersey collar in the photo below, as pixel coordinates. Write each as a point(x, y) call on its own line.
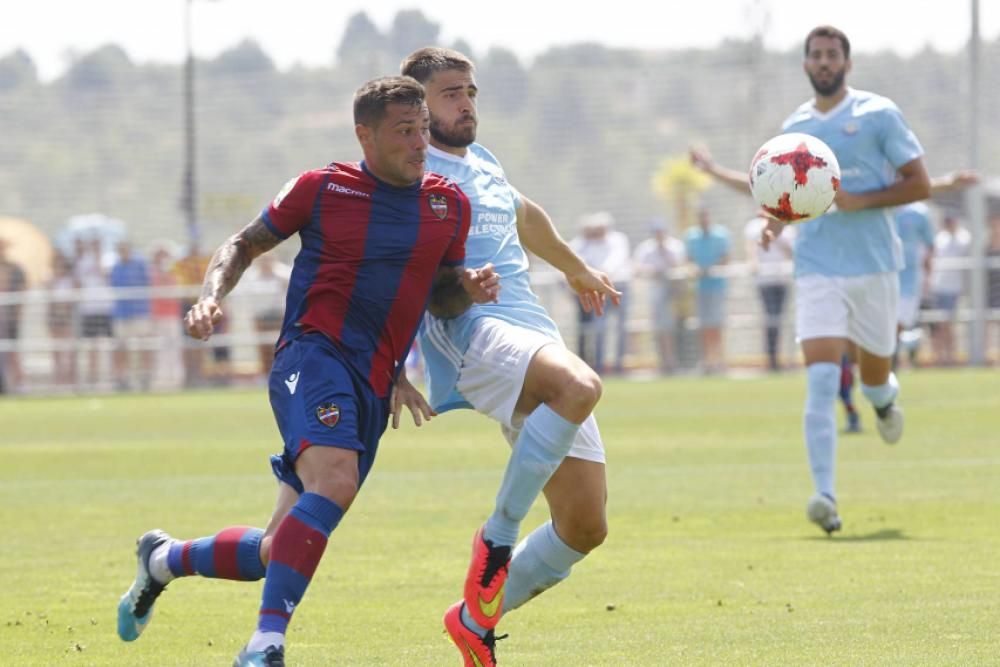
point(444, 155)
point(841, 105)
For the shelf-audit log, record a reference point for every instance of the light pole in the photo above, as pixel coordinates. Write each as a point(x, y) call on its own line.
point(189, 191)
point(975, 200)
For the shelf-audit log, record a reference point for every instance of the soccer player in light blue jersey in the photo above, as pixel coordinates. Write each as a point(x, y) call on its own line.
point(507, 360)
point(913, 224)
point(846, 261)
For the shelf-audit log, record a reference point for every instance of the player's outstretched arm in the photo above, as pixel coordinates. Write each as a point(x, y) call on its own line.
point(224, 271)
point(539, 235)
point(738, 180)
point(956, 180)
point(455, 289)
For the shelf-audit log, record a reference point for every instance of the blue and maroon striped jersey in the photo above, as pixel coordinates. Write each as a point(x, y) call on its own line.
point(369, 254)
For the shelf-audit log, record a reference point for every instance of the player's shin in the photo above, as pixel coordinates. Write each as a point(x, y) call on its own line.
point(541, 446)
point(232, 553)
point(296, 550)
point(540, 561)
point(820, 424)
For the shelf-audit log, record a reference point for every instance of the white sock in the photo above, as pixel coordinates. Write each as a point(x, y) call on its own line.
point(158, 567)
point(261, 640)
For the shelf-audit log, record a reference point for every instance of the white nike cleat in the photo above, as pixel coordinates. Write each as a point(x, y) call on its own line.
point(822, 511)
point(890, 423)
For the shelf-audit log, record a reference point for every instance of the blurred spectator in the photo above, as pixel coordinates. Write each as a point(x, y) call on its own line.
point(654, 259)
point(608, 250)
point(189, 271)
point(167, 323)
point(913, 224)
point(772, 270)
point(952, 242)
point(12, 279)
point(266, 283)
point(61, 318)
point(132, 325)
point(993, 278)
point(707, 246)
point(95, 303)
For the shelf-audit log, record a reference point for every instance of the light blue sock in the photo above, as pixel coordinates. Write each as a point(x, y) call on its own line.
point(820, 423)
point(883, 394)
point(539, 562)
point(542, 445)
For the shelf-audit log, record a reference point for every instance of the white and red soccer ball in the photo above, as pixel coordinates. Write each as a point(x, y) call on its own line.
point(794, 177)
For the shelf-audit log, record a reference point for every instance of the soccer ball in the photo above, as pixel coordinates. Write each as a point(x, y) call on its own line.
point(794, 177)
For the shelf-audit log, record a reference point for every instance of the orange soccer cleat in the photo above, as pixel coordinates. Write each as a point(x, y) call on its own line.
point(476, 651)
point(486, 581)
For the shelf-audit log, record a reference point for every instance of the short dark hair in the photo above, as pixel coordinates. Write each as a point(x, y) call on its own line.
point(424, 63)
point(371, 99)
point(830, 31)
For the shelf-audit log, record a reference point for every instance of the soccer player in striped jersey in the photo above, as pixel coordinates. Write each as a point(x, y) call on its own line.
point(376, 236)
point(507, 360)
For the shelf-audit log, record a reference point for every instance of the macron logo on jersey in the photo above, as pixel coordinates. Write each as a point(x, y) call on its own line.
point(344, 190)
point(292, 382)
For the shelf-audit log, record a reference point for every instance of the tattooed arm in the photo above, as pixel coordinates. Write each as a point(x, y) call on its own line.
point(224, 271)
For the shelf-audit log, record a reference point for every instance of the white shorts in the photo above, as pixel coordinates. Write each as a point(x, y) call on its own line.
point(862, 309)
point(909, 306)
point(492, 377)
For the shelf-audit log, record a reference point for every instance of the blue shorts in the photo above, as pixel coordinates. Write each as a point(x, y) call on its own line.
point(711, 308)
point(319, 401)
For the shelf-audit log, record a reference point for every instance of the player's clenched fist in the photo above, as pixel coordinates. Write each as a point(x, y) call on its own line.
point(200, 321)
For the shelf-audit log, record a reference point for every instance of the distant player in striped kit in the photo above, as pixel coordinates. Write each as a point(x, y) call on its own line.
point(376, 237)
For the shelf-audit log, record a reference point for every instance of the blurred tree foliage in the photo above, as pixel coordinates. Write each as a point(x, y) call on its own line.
point(582, 127)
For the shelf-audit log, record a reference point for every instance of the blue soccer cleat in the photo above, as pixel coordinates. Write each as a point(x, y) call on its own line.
point(853, 423)
point(272, 656)
point(135, 609)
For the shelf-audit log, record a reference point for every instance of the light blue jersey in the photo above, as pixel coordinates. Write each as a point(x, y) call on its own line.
point(913, 224)
point(492, 238)
point(706, 250)
point(871, 140)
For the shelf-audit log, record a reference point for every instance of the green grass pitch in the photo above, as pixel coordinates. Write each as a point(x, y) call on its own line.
point(709, 561)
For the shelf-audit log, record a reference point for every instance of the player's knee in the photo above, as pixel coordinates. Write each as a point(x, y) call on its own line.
point(579, 394)
point(584, 533)
point(335, 483)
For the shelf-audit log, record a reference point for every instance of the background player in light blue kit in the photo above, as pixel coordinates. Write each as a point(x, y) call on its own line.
point(913, 224)
point(507, 360)
point(846, 261)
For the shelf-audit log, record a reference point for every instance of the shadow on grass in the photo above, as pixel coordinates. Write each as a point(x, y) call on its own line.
point(878, 536)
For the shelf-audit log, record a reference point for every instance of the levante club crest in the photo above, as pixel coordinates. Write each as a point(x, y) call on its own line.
point(439, 204)
point(329, 414)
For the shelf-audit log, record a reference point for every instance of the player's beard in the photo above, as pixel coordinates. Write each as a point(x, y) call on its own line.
point(826, 90)
point(456, 136)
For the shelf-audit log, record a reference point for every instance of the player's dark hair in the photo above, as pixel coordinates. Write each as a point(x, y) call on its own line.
point(834, 33)
point(371, 99)
point(424, 63)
